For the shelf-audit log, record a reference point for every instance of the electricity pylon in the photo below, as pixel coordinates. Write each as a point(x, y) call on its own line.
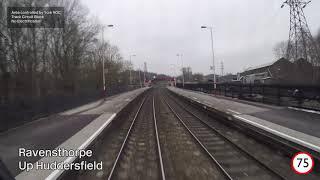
point(301, 43)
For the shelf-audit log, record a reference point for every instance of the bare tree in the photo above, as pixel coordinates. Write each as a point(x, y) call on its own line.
point(280, 50)
point(67, 60)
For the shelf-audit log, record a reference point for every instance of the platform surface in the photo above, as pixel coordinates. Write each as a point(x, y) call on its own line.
point(298, 126)
point(69, 129)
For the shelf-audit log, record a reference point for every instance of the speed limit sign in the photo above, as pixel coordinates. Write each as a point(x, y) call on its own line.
point(302, 163)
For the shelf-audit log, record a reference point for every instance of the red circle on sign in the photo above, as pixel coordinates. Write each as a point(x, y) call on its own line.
point(294, 169)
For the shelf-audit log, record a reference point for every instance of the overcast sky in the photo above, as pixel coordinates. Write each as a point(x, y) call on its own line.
point(245, 31)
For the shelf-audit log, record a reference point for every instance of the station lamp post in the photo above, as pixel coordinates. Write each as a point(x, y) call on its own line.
point(213, 65)
point(103, 60)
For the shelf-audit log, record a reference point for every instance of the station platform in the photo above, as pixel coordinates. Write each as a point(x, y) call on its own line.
point(73, 129)
point(296, 125)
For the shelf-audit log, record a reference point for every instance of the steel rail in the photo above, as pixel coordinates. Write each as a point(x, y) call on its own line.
point(125, 141)
point(224, 172)
point(158, 141)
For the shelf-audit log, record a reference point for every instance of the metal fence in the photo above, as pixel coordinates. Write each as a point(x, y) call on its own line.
point(296, 96)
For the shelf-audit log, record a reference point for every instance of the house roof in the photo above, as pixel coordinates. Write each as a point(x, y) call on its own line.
point(260, 66)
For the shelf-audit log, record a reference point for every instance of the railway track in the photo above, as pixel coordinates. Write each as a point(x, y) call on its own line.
point(182, 157)
point(165, 137)
point(233, 161)
point(268, 159)
point(140, 154)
